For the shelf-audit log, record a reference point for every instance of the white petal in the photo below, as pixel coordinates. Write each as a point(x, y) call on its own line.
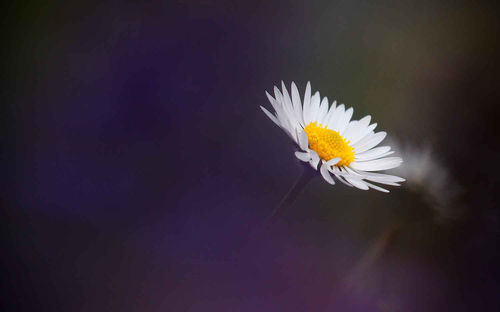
point(375, 187)
point(374, 152)
point(381, 182)
point(283, 119)
point(304, 156)
point(292, 120)
point(333, 161)
point(325, 174)
point(277, 94)
point(357, 183)
point(269, 97)
point(336, 172)
point(297, 136)
point(278, 107)
point(339, 112)
point(330, 113)
point(363, 175)
point(355, 129)
point(314, 160)
point(307, 103)
point(369, 142)
point(315, 100)
point(363, 133)
point(280, 114)
point(377, 164)
point(287, 104)
point(345, 120)
point(303, 140)
point(323, 110)
point(372, 126)
point(272, 101)
point(381, 178)
point(297, 106)
point(352, 172)
point(271, 116)
point(342, 179)
point(381, 156)
point(351, 128)
point(365, 120)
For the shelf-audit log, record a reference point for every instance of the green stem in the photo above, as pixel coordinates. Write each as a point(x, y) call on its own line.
point(292, 194)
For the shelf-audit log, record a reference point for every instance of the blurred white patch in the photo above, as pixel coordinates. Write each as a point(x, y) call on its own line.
point(430, 177)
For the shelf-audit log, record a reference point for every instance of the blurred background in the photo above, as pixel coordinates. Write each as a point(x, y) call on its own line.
point(139, 168)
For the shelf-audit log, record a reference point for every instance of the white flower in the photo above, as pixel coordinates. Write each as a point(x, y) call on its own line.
point(326, 134)
point(429, 176)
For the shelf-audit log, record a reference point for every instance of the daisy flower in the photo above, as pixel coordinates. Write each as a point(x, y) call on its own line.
point(427, 175)
point(326, 135)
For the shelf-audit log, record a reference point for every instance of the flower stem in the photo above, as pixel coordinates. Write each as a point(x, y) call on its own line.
point(292, 194)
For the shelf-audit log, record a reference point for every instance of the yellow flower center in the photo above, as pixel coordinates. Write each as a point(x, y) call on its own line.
point(329, 144)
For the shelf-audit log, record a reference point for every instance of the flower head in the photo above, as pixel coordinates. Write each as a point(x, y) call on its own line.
point(430, 177)
point(326, 134)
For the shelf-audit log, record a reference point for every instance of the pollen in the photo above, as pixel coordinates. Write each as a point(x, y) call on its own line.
point(329, 144)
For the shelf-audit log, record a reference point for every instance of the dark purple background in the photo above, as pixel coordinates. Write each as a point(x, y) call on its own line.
point(143, 167)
